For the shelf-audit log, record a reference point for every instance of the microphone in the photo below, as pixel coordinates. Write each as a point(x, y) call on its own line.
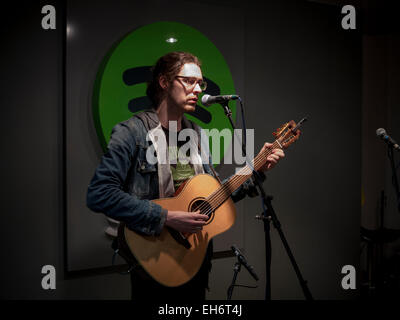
point(381, 133)
point(208, 100)
point(243, 261)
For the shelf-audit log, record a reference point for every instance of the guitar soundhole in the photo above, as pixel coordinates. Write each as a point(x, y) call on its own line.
point(204, 207)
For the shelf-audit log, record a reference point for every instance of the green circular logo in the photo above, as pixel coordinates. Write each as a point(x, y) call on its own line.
point(120, 87)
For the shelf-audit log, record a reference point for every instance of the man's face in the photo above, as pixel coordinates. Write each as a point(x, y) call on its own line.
point(185, 88)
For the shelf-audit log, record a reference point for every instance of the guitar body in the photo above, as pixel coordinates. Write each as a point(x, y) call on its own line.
point(163, 257)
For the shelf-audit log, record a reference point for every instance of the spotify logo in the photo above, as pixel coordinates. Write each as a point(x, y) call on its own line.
point(120, 86)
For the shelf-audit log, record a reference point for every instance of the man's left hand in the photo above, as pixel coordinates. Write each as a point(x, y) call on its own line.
point(273, 158)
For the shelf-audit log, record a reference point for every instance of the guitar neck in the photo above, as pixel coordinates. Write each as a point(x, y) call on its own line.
point(225, 191)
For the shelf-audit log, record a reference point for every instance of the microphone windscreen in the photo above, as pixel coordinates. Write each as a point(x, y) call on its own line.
point(380, 132)
point(204, 99)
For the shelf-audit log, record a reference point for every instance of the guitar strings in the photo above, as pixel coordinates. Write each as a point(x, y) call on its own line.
point(215, 199)
point(224, 192)
point(220, 195)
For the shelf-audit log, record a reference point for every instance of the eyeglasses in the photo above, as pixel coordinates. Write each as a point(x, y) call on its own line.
point(190, 82)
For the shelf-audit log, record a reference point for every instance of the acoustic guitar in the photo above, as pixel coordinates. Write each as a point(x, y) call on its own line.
point(173, 258)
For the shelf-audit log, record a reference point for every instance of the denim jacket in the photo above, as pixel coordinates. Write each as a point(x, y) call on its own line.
point(124, 182)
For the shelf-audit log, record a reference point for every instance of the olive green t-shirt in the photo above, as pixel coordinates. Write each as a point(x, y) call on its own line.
point(181, 167)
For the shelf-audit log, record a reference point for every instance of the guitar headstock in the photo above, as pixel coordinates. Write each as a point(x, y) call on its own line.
point(288, 133)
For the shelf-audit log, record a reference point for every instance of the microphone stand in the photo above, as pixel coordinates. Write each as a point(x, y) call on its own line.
point(267, 219)
point(236, 270)
point(394, 175)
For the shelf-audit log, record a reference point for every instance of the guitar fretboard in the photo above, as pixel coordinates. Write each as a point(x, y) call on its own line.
point(225, 191)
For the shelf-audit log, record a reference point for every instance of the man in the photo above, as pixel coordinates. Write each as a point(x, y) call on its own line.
point(126, 181)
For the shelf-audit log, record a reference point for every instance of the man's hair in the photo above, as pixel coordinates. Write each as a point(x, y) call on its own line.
point(168, 66)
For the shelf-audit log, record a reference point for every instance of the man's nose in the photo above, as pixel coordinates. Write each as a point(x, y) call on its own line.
point(197, 88)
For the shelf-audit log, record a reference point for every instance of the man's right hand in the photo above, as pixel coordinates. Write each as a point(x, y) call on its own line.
point(189, 222)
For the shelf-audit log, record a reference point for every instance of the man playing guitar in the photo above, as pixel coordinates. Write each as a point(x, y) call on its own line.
point(126, 181)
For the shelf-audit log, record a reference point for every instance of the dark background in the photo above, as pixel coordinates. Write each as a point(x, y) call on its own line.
point(297, 61)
